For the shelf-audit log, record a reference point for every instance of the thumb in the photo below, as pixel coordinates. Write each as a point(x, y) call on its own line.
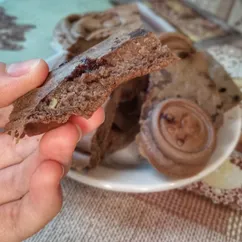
point(43, 201)
point(19, 78)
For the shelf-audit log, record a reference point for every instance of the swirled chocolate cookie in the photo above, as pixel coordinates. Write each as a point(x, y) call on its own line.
point(78, 32)
point(183, 110)
point(177, 138)
point(82, 85)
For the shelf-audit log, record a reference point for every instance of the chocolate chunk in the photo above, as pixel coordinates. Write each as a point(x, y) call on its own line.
point(183, 55)
point(236, 98)
point(222, 89)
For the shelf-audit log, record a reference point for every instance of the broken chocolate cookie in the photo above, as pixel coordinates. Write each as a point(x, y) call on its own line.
point(82, 85)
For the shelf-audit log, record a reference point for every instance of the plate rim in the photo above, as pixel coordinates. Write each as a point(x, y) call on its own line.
point(116, 187)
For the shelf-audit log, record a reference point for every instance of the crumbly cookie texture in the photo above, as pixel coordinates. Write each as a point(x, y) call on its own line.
point(82, 85)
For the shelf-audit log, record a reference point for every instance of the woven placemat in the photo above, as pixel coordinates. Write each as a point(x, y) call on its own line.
point(90, 214)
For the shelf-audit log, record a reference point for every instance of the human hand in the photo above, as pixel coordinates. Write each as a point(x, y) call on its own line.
point(30, 172)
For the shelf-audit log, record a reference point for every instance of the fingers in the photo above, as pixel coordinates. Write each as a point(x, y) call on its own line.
point(57, 145)
point(25, 217)
point(66, 136)
point(4, 115)
point(18, 79)
point(12, 153)
point(88, 125)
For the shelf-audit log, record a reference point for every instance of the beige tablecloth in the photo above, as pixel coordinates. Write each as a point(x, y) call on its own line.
point(91, 214)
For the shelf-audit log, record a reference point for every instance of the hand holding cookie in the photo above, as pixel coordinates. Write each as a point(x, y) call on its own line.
point(30, 172)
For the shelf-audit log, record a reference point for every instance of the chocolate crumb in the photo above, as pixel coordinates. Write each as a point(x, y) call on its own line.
point(183, 55)
point(220, 106)
point(168, 117)
point(236, 98)
point(222, 89)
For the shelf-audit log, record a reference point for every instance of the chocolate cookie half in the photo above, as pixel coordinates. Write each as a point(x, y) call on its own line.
point(82, 85)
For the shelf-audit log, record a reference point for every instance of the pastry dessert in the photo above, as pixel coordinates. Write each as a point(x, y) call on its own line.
point(185, 19)
point(82, 85)
point(183, 109)
point(78, 32)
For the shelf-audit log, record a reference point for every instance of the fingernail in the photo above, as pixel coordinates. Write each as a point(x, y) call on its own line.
point(79, 131)
point(21, 68)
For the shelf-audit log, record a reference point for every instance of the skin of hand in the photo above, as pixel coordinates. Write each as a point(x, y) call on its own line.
point(30, 172)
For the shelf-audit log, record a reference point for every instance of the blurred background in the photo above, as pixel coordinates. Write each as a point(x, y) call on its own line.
point(27, 25)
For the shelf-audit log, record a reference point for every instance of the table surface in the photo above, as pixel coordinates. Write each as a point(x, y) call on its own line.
point(90, 214)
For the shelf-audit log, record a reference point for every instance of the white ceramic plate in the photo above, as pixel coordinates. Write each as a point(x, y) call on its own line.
point(143, 178)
